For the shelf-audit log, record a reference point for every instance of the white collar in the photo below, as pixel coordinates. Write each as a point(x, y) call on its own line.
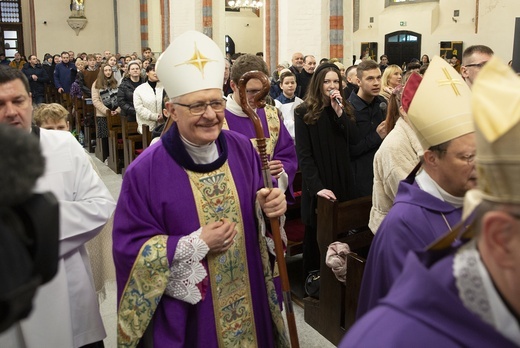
point(233, 107)
point(479, 295)
point(201, 154)
point(427, 184)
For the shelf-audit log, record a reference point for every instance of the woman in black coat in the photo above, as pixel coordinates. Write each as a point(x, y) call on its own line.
point(125, 93)
point(323, 134)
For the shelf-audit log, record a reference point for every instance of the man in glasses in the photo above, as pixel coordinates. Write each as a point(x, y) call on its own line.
point(466, 296)
point(473, 59)
point(193, 268)
point(429, 201)
point(280, 146)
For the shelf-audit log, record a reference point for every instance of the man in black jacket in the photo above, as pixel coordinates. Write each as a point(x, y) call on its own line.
point(37, 77)
point(370, 112)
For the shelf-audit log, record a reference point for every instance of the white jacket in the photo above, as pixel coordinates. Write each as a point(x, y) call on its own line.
point(148, 105)
point(66, 310)
point(397, 156)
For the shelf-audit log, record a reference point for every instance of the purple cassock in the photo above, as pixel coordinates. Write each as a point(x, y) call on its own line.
point(423, 309)
point(284, 149)
point(156, 199)
point(415, 221)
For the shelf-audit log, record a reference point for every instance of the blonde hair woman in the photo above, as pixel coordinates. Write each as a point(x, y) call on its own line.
point(392, 77)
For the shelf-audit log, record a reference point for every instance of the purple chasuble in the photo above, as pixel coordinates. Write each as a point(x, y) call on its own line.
point(156, 199)
point(284, 150)
point(423, 309)
point(414, 222)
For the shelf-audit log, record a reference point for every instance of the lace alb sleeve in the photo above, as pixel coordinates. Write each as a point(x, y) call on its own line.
point(185, 282)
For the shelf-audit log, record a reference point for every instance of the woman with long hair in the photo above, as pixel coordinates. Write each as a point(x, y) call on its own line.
point(392, 77)
point(104, 98)
point(112, 62)
point(323, 134)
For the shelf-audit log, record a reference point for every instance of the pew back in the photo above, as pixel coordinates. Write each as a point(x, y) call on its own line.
point(334, 312)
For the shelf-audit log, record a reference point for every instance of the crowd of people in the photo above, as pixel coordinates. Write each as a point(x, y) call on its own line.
point(194, 259)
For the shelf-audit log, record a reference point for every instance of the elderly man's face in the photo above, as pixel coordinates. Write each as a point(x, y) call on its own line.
point(15, 105)
point(203, 129)
point(309, 64)
point(297, 60)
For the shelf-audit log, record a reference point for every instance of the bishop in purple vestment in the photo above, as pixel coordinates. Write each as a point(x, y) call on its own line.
point(429, 202)
point(465, 296)
point(191, 256)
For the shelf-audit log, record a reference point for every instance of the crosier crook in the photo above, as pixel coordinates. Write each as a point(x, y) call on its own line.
point(259, 101)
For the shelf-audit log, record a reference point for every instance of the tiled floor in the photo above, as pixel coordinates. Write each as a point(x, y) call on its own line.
point(308, 337)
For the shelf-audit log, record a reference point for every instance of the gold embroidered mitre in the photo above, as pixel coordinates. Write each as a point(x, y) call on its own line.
point(192, 62)
point(496, 109)
point(441, 107)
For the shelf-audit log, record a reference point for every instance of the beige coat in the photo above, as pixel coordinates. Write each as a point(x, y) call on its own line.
point(397, 156)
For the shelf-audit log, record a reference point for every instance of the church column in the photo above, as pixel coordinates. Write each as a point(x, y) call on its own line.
point(187, 15)
point(143, 10)
point(349, 20)
point(207, 17)
point(271, 33)
point(165, 23)
point(336, 29)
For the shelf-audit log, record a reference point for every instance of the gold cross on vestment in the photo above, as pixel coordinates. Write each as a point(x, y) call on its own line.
point(450, 81)
point(198, 60)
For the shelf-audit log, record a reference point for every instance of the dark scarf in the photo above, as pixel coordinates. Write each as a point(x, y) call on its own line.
point(175, 147)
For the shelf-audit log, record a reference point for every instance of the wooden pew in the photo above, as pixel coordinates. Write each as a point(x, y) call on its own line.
point(77, 114)
point(132, 140)
point(147, 136)
point(115, 142)
point(66, 101)
point(294, 227)
point(89, 127)
point(334, 313)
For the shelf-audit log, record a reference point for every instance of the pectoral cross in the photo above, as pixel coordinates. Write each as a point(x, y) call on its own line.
point(450, 81)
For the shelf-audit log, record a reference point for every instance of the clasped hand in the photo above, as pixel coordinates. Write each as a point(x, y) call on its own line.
point(219, 235)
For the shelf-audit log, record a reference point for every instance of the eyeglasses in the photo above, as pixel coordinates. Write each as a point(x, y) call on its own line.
point(197, 109)
point(468, 158)
point(478, 65)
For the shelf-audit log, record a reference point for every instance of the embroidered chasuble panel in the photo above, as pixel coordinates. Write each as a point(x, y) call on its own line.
point(216, 198)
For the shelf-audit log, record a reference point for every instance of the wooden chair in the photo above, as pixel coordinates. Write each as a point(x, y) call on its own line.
point(334, 313)
point(115, 142)
point(89, 127)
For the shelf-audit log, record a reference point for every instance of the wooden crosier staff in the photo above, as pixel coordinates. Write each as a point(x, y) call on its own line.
point(266, 174)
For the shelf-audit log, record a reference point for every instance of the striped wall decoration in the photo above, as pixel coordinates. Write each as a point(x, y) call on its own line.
point(143, 9)
point(207, 18)
point(165, 24)
point(336, 29)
